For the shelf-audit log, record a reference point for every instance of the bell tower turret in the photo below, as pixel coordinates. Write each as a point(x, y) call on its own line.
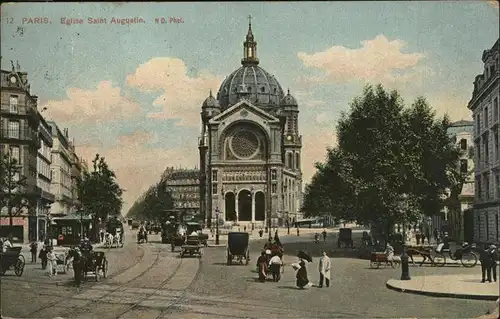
point(249, 47)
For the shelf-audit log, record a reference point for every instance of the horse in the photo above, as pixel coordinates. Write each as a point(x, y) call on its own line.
point(117, 240)
point(109, 240)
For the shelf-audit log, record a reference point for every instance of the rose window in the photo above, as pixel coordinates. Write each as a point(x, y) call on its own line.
point(244, 144)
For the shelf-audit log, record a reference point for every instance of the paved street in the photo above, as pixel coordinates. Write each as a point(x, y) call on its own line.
point(148, 281)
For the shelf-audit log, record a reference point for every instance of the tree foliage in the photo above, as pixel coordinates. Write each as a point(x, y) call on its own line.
point(12, 188)
point(98, 191)
point(153, 203)
point(385, 153)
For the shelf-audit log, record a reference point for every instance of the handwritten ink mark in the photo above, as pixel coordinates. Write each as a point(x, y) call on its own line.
point(20, 31)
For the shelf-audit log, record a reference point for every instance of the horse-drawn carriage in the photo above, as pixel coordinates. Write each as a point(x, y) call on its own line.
point(191, 247)
point(142, 236)
point(237, 247)
point(93, 262)
point(345, 238)
point(12, 258)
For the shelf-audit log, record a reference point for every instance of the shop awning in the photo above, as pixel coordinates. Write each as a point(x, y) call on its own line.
point(74, 216)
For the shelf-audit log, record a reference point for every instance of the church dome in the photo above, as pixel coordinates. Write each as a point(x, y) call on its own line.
point(210, 102)
point(289, 100)
point(254, 84)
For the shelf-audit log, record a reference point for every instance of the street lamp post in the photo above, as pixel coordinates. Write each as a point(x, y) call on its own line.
point(217, 226)
point(405, 266)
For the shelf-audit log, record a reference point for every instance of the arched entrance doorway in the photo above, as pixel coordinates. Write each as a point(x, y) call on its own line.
point(230, 207)
point(260, 206)
point(245, 205)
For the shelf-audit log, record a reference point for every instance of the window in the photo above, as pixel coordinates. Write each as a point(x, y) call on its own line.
point(214, 189)
point(214, 176)
point(463, 144)
point(495, 109)
point(67, 230)
point(487, 226)
point(486, 117)
point(478, 124)
point(13, 104)
point(290, 160)
point(273, 175)
point(15, 153)
point(479, 188)
point(13, 129)
point(463, 166)
point(263, 89)
point(497, 183)
point(274, 189)
point(297, 160)
point(486, 179)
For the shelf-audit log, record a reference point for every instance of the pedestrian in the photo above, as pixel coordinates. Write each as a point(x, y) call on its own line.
point(324, 235)
point(302, 280)
point(485, 259)
point(77, 267)
point(43, 257)
point(33, 250)
point(244, 228)
point(436, 235)
point(418, 236)
point(298, 232)
point(51, 263)
point(275, 267)
point(101, 233)
point(262, 266)
point(493, 255)
point(423, 238)
point(428, 235)
point(324, 270)
point(261, 232)
point(7, 243)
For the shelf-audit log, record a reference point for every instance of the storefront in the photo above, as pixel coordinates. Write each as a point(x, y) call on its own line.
point(68, 229)
point(18, 230)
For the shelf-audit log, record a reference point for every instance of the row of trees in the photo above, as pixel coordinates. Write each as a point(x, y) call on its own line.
point(13, 199)
point(391, 164)
point(152, 204)
point(98, 191)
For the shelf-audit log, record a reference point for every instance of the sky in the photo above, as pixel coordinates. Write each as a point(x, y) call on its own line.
point(132, 92)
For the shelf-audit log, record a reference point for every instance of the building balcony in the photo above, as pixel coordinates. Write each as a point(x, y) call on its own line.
point(23, 136)
point(47, 196)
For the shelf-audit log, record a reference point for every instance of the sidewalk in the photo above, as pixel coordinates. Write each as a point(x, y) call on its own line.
point(450, 286)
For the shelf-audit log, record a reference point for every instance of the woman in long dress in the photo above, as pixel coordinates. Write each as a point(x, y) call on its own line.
point(302, 280)
point(262, 266)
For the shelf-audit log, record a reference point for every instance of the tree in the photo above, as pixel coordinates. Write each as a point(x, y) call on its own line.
point(98, 191)
point(12, 190)
point(153, 203)
point(385, 153)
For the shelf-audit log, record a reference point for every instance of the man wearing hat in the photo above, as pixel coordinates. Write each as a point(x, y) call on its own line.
point(493, 254)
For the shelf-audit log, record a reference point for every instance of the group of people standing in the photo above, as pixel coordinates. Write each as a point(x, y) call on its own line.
point(324, 267)
point(489, 260)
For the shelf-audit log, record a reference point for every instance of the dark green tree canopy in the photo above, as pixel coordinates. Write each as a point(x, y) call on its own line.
point(385, 153)
point(153, 203)
point(12, 187)
point(98, 191)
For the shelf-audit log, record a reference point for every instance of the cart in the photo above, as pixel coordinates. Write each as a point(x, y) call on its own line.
point(96, 263)
point(237, 247)
point(345, 238)
point(12, 258)
point(192, 247)
point(377, 259)
point(62, 260)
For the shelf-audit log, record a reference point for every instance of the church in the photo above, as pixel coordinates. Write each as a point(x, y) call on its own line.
point(250, 148)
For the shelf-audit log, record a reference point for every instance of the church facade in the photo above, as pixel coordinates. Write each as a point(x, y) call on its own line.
point(250, 148)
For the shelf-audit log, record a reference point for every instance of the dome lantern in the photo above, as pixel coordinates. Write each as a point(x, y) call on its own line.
point(289, 100)
point(249, 47)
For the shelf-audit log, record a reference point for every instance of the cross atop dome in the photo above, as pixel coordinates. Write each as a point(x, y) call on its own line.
point(249, 47)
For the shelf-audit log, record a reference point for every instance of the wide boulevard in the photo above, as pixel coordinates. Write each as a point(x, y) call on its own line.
point(149, 281)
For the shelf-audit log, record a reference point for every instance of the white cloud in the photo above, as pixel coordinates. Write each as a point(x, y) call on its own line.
point(378, 60)
point(105, 103)
point(181, 95)
point(137, 167)
point(315, 140)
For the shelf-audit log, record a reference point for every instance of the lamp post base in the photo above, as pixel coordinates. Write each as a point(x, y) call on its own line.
point(405, 266)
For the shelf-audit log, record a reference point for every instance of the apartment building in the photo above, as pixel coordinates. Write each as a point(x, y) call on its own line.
point(44, 178)
point(19, 141)
point(485, 107)
point(78, 167)
point(184, 187)
point(463, 135)
point(61, 185)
